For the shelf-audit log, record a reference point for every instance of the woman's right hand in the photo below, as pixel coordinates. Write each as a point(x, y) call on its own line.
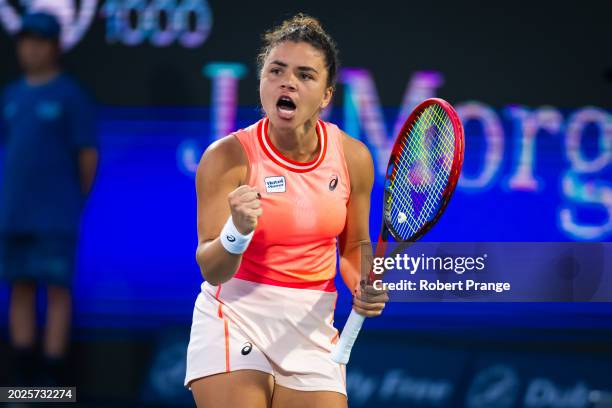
point(245, 206)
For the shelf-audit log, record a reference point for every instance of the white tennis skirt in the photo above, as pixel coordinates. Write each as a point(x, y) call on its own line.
point(285, 332)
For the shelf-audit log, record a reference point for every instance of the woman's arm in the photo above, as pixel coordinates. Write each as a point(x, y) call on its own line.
point(220, 188)
point(355, 246)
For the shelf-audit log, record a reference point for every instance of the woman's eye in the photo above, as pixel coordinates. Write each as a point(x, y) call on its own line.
point(307, 76)
point(275, 71)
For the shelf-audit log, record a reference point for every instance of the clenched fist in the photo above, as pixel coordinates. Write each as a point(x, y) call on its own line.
point(245, 206)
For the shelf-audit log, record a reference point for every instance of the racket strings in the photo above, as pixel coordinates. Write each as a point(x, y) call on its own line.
point(425, 142)
point(427, 155)
point(419, 195)
point(422, 171)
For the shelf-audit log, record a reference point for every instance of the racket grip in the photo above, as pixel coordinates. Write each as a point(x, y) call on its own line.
point(342, 350)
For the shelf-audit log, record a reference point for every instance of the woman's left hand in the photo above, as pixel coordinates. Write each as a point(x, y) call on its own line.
point(369, 302)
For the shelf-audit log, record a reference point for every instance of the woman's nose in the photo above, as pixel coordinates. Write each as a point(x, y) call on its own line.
point(288, 83)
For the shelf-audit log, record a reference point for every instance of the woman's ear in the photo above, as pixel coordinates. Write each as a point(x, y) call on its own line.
point(327, 97)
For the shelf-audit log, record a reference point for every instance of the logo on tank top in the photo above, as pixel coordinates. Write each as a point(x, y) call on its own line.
point(333, 182)
point(275, 184)
point(246, 349)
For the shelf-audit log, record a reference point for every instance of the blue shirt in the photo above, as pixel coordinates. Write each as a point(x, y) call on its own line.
point(43, 129)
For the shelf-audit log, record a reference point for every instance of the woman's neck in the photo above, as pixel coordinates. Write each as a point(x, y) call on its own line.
point(301, 144)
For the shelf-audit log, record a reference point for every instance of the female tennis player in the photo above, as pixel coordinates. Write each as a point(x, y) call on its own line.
point(275, 200)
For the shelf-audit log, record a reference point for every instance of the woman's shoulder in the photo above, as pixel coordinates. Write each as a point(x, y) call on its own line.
point(224, 156)
point(230, 147)
point(358, 159)
point(226, 146)
point(355, 150)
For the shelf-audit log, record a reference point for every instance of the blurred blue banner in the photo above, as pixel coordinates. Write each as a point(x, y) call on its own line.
point(136, 260)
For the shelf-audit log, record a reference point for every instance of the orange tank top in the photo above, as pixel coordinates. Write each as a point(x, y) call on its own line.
point(304, 211)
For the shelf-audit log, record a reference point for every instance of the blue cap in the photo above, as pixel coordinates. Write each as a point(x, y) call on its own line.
point(41, 24)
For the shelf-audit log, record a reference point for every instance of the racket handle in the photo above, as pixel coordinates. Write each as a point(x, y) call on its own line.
point(342, 350)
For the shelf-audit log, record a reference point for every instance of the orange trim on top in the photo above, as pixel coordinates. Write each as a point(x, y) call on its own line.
point(278, 152)
point(277, 157)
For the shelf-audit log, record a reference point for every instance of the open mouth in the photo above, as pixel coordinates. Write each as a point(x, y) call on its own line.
point(286, 107)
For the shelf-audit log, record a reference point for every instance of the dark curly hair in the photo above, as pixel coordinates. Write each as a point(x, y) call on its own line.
point(302, 28)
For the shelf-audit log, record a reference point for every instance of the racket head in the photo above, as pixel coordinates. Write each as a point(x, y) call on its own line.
point(423, 170)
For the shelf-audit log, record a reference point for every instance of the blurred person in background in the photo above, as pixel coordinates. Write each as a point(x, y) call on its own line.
point(47, 134)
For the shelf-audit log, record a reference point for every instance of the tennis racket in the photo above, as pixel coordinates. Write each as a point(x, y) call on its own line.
point(421, 176)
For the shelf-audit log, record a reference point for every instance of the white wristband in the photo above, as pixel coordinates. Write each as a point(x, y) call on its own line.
point(233, 240)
